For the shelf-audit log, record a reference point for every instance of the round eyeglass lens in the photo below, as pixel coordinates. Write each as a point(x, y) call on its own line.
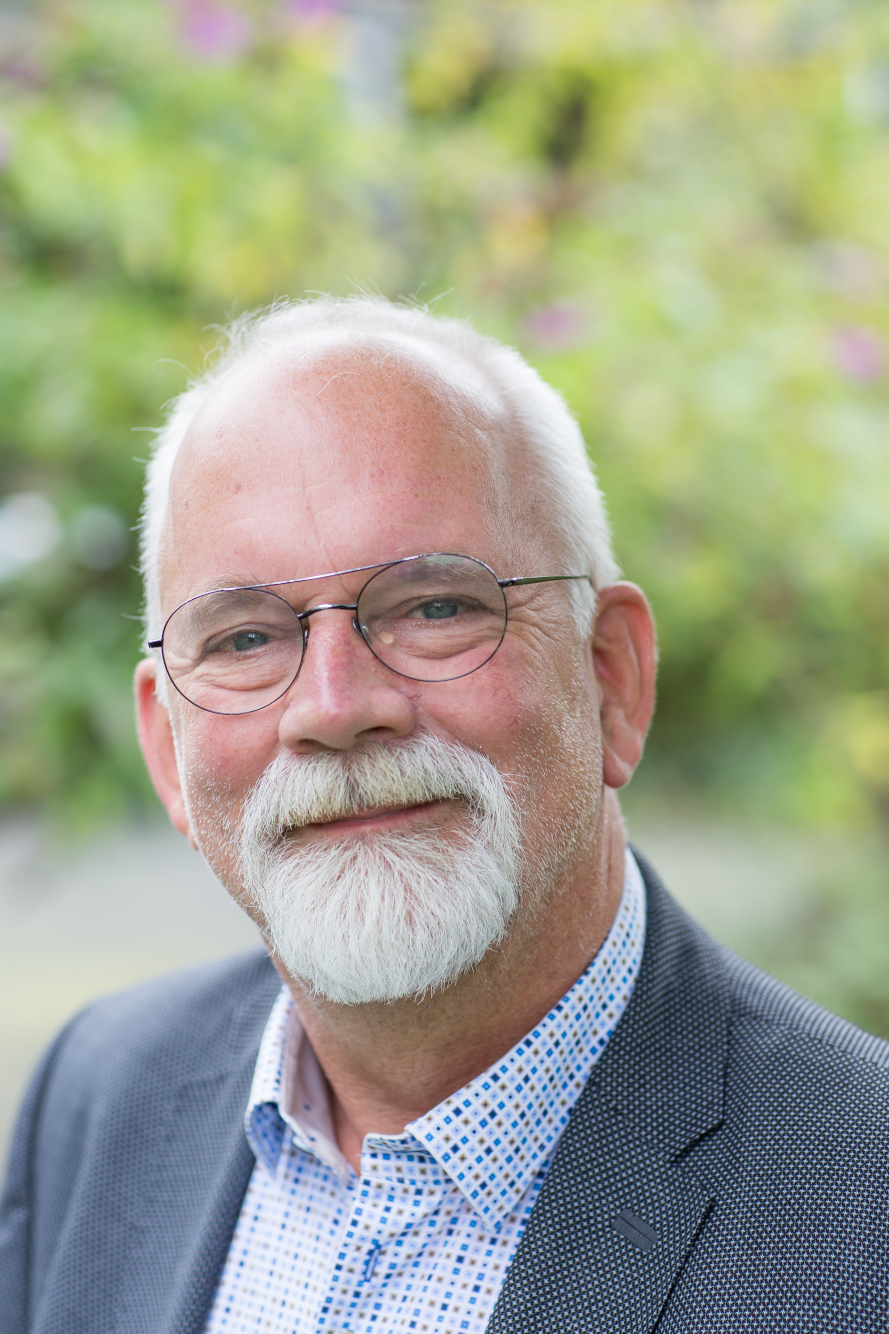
point(233, 651)
point(433, 618)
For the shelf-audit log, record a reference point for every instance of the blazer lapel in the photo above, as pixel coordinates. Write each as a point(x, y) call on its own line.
point(191, 1205)
point(608, 1234)
point(618, 1213)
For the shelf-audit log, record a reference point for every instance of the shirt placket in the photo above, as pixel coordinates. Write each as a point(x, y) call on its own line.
point(394, 1208)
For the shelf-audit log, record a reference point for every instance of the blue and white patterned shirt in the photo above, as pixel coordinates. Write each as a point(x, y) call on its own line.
point(422, 1239)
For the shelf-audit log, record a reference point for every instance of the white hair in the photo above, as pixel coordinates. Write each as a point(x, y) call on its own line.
point(561, 474)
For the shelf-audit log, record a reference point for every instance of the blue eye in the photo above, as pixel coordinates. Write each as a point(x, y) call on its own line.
point(439, 609)
point(245, 640)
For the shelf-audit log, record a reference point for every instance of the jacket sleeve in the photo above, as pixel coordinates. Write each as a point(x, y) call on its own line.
point(17, 1279)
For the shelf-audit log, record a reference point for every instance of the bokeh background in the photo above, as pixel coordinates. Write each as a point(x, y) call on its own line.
point(677, 209)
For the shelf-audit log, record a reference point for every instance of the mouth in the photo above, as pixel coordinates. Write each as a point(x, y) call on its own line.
point(377, 819)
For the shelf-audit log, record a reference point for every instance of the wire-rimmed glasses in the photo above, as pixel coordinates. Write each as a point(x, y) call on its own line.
point(434, 617)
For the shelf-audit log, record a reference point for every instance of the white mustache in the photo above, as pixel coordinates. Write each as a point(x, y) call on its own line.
point(299, 790)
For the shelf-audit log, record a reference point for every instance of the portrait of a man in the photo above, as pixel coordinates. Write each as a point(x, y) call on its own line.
point(486, 1073)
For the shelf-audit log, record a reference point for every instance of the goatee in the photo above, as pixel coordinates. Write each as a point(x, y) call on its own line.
point(382, 915)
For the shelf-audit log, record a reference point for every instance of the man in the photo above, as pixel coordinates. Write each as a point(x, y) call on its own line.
point(498, 1081)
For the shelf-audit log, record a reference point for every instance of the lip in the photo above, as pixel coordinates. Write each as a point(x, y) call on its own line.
point(379, 817)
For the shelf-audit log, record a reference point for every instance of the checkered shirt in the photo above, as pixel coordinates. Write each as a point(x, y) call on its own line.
point(422, 1239)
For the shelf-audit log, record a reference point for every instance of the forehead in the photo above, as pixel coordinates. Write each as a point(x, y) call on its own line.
point(299, 463)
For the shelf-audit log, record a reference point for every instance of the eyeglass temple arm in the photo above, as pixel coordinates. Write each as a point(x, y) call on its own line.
point(541, 579)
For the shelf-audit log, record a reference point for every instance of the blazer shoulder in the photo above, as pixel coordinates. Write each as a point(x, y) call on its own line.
point(127, 1048)
point(712, 980)
point(761, 1004)
point(193, 1019)
point(708, 1037)
point(196, 989)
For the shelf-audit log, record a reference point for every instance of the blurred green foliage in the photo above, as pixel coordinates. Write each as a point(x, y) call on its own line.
point(676, 208)
point(837, 955)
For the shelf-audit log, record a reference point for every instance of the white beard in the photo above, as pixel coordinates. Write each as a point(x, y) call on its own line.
point(381, 916)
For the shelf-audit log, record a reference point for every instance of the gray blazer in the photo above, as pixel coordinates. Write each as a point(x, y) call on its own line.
point(726, 1170)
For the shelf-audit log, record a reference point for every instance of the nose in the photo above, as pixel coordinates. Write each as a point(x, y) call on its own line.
point(343, 695)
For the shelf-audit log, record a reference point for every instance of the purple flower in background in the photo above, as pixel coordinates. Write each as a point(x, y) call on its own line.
point(26, 72)
point(214, 32)
point(314, 11)
point(556, 327)
point(859, 353)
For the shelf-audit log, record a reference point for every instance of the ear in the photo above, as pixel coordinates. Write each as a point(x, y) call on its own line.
point(625, 662)
point(156, 740)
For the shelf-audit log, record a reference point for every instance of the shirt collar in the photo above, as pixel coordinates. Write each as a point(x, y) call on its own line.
point(289, 1090)
point(491, 1137)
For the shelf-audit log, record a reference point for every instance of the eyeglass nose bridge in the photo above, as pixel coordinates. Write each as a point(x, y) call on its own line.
point(326, 606)
point(303, 618)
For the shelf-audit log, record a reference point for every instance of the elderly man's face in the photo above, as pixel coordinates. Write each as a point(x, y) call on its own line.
point(291, 471)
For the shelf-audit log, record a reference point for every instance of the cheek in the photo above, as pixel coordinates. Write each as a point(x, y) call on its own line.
point(220, 759)
point(535, 722)
point(561, 763)
point(559, 747)
point(489, 711)
point(560, 784)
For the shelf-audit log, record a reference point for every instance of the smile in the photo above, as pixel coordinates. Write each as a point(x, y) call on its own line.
point(376, 818)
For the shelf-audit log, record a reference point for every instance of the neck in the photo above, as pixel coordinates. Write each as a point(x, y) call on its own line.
point(389, 1064)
